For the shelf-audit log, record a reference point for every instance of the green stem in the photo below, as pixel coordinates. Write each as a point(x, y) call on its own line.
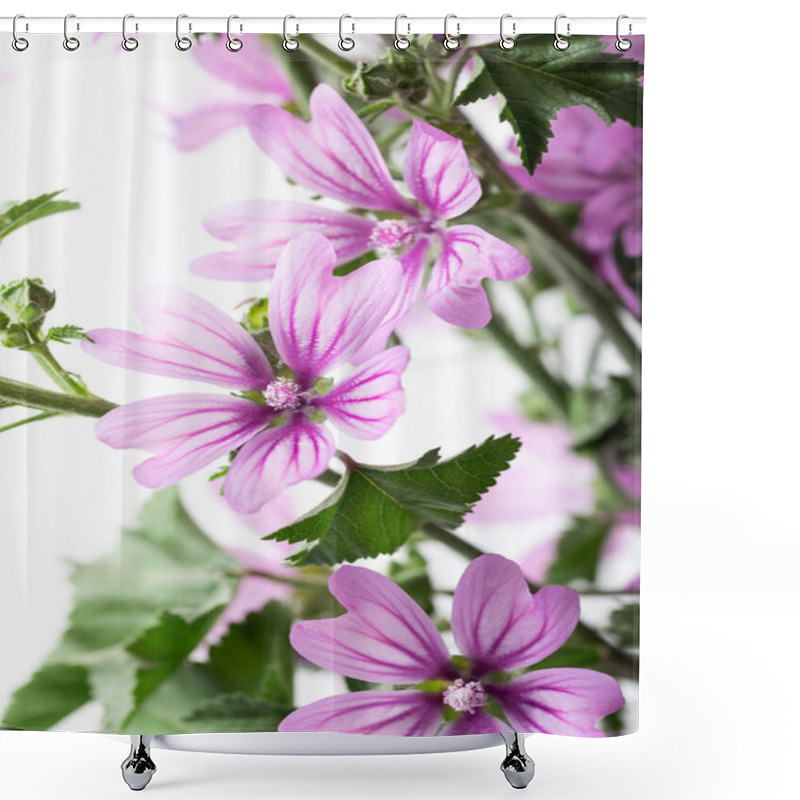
point(304, 583)
point(35, 418)
point(528, 360)
point(332, 60)
point(622, 663)
point(43, 399)
point(297, 69)
point(47, 361)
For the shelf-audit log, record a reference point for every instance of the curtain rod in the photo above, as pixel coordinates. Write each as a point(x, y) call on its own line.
point(325, 25)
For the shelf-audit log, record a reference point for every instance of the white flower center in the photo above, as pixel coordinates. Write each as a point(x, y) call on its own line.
point(283, 393)
point(390, 235)
point(465, 696)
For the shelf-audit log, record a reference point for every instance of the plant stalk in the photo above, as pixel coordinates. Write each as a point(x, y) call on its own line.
point(44, 400)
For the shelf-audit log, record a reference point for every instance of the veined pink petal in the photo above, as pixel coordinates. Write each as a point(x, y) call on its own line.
point(187, 338)
point(333, 155)
point(253, 68)
point(368, 402)
point(275, 459)
point(413, 264)
point(203, 125)
point(260, 229)
point(470, 254)
point(606, 212)
point(389, 713)
point(479, 722)
point(569, 702)
point(438, 173)
point(499, 626)
point(384, 636)
point(319, 320)
point(185, 431)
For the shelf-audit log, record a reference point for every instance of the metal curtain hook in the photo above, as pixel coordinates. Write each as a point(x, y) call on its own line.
point(451, 42)
point(623, 44)
point(346, 42)
point(128, 42)
point(19, 43)
point(182, 42)
point(560, 42)
point(233, 44)
point(289, 42)
point(71, 43)
point(401, 42)
point(507, 42)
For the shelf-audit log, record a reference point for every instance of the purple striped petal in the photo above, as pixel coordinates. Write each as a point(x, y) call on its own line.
point(206, 124)
point(469, 255)
point(276, 459)
point(185, 431)
point(369, 401)
point(333, 155)
point(398, 713)
point(413, 263)
point(319, 320)
point(479, 722)
point(187, 338)
point(384, 636)
point(438, 173)
point(261, 229)
point(252, 69)
point(499, 626)
point(568, 702)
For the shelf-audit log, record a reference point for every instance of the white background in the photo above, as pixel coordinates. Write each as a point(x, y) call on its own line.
point(721, 605)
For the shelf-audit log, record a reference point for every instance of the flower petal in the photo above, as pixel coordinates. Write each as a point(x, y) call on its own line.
point(319, 320)
point(399, 713)
point(185, 431)
point(499, 626)
point(479, 722)
point(276, 459)
point(413, 264)
point(569, 702)
point(368, 402)
point(333, 155)
point(203, 125)
point(470, 254)
point(384, 636)
point(187, 338)
point(438, 173)
point(261, 229)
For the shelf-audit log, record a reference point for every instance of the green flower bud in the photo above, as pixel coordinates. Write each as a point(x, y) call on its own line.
point(14, 335)
point(26, 302)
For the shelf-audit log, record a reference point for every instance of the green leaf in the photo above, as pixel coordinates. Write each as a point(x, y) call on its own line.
point(15, 215)
point(536, 80)
point(578, 551)
point(623, 625)
point(238, 713)
point(412, 576)
point(51, 694)
point(255, 657)
point(373, 510)
point(64, 333)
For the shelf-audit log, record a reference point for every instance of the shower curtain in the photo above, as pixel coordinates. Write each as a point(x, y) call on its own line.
point(319, 386)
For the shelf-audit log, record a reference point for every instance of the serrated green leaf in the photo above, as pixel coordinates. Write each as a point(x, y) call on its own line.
point(15, 215)
point(374, 510)
point(579, 551)
point(255, 657)
point(64, 333)
point(238, 713)
point(536, 80)
point(51, 694)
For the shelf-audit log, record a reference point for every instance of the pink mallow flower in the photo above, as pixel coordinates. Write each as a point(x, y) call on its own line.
point(385, 637)
point(248, 77)
point(317, 320)
point(335, 156)
point(600, 167)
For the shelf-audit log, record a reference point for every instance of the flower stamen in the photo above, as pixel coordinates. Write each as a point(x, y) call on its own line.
point(282, 394)
point(462, 696)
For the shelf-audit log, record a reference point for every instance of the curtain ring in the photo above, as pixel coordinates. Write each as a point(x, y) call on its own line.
point(401, 42)
point(233, 44)
point(560, 42)
point(183, 43)
point(346, 42)
point(18, 42)
point(451, 42)
point(71, 43)
point(623, 44)
point(289, 42)
point(507, 42)
point(128, 42)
